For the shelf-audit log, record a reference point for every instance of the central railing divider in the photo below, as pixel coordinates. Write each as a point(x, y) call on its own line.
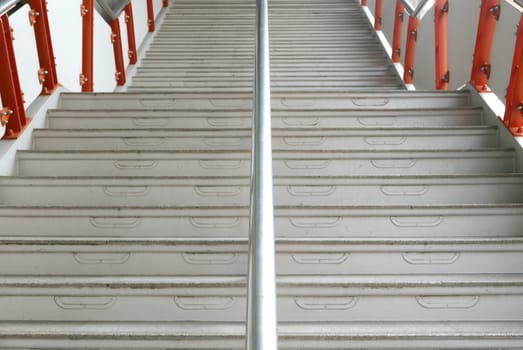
point(261, 328)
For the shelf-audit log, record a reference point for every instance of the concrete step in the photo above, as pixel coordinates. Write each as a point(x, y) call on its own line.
point(282, 100)
point(283, 139)
point(91, 256)
point(372, 298)
point(500, 220)
point(230, 335)
point(234, 191)
point(222, 119)
point(286, 163)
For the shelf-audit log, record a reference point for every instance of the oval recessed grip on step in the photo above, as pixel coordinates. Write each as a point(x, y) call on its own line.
point(210, 258)
point(204, 303)
point(385, 141)
point(223, 142)
point(320, 258)
point(221, 164)
point(115, 222)
point(325, 303)
point(126, 191)
point(214, 222)
point(135, 164)
point(393, 163)
point(377, 121)
point(370, 101)
point(448, 302)
point(307, 164)
point(151, 122)
point(226, 122)
point(144, 141)
point(312, 191)
point(296, 102)
point(416, 221)
point(301, 121)
point(217, 191)
point(316, 222)
point(85, 303)
point(415, 258)
point(304, 141)
point(101, 258)
point(404, 190)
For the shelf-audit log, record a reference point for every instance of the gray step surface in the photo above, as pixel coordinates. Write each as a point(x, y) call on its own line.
point(286, 163)
point(234, 191)
point(287, 100)
point(230, 335)
point(78, 256)
point(240, 139)
point(96, 119)
point(500, 220)
point(222, 298)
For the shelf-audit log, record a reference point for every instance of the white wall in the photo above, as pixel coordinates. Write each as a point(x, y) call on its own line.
point(463, 22)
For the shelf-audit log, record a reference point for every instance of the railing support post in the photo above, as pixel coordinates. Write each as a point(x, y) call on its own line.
point(12, 115)
point(513, 118)
point(150, 16)
point(410, 53)
point(131, 36)
point(261, 327)
point(441, 12)
point(378, 15)
point(399, 15)
point(363, 2)
point(490, 12)
point(165, 3)
point(86, 77)
point(40, 21)
point(116, 39)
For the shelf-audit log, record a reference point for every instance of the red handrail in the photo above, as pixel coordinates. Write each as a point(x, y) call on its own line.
point(441, 11)
point(490, 13)
point(86, 77)
point(13, 112)
point(131, 36)
point(513, 118)
point(410, 52)
point(150, 15)
point(399, 15)
point(378, 15)
point(116, 39)
point(40, 22)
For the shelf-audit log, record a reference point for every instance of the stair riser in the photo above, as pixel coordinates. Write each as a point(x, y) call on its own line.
point(81, 262)
point(237, 119)
point(327, 101)
point(232, 223)
point(148, 141)
point(122, 195)
point(210, 166)
point(231, 308)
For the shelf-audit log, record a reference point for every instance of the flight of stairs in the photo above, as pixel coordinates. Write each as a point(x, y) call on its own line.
point(398, 214)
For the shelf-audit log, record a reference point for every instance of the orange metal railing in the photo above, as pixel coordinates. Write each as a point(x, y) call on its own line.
point(481, 66)
point(12, 111)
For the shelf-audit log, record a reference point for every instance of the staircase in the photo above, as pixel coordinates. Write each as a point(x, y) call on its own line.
point(398, 213)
